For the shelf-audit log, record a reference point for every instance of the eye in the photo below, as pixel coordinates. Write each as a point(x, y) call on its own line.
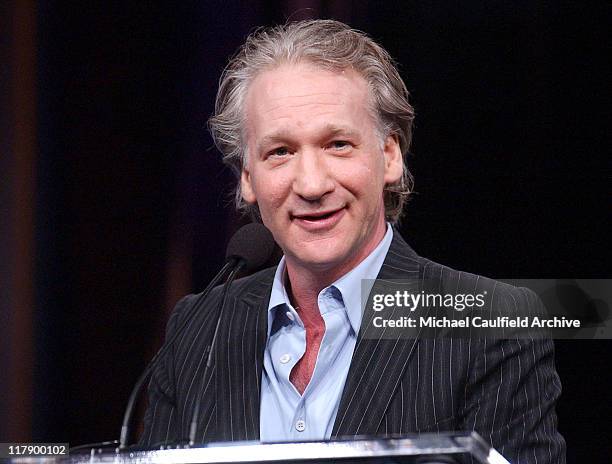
point(278, 152)
point(340, 145)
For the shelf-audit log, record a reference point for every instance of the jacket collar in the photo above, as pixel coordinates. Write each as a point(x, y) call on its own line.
point(376, 367)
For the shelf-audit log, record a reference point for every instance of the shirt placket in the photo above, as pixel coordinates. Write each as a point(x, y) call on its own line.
point(328, 305)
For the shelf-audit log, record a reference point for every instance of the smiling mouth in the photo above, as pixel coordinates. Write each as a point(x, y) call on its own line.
point(318, 221)
point(316, 216)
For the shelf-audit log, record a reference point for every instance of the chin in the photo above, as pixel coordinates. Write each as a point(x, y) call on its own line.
point(322, 258)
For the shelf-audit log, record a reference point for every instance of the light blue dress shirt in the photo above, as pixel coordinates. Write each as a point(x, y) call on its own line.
point(285, 414)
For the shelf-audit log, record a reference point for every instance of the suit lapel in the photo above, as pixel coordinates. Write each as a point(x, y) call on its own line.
point(378, 364)
point(376, 367)
point(240, 353)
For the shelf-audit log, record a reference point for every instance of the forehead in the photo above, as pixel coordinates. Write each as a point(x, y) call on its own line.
point(303, 94)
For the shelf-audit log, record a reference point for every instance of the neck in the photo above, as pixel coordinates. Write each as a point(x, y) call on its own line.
point(306, 282)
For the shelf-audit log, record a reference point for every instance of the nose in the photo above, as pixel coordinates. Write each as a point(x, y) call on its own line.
point(313, 179)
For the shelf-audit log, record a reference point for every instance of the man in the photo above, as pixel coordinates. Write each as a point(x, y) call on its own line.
point(315, 119)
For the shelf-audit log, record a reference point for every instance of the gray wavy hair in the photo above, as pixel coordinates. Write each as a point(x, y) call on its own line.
point(328, 44)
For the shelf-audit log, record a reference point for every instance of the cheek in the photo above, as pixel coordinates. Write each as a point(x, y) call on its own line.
point(271, 191)
point(364, 180)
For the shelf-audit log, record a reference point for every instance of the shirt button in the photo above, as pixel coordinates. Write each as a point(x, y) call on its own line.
point(285, 358)
point(300, 425)
point(290, 316)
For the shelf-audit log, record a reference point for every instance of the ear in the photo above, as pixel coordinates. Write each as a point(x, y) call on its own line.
point(246, 187)
point(394, 161)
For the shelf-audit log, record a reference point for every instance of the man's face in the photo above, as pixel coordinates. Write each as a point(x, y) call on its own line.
point(316, 166)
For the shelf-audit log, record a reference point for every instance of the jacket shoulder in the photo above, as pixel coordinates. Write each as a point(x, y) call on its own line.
point(255, 284)
point(503, 295)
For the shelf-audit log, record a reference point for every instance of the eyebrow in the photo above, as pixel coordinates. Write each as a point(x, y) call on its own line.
point(277, 137)
point(333, 130)
point(284, 135)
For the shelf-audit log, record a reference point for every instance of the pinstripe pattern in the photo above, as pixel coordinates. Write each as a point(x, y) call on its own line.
point(504, 389)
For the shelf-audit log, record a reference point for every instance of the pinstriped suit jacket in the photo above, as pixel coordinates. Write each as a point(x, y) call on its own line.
point(503, 389)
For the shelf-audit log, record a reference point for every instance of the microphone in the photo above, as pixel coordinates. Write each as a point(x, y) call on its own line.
point(252, 245)
point(249, 249)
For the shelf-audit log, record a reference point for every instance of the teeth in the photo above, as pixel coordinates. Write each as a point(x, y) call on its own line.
point(315, 218)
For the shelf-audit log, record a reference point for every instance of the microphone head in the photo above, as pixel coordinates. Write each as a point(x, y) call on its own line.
point(253, 244)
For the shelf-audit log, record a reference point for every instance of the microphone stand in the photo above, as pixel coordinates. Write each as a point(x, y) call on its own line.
point(129, 410)
point(196, 411)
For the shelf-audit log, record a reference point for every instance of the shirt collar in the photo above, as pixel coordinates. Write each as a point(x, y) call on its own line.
point(349, 285)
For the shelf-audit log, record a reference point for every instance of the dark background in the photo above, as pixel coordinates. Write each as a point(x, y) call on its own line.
point(115, 203)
